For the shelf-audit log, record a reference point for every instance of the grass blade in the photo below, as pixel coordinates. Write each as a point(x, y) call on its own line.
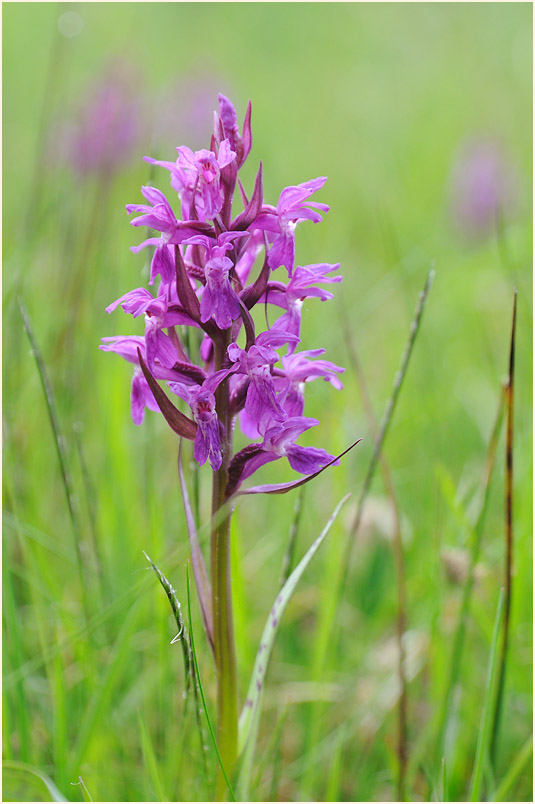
point(401, 618)
point(187, 653)
point(518, 765)
point(445, 794)
point(59, 440)
point(87, 795)
point(509, 400)
point(151, 764)
point(97, 704)
point(198, 675)
point(387, 418)
point(287, 561)
point(485, 731)
point(477, 533)
point(250, 716)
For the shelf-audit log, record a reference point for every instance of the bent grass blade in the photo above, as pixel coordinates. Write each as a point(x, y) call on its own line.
point(11, 764)
point(250, 716)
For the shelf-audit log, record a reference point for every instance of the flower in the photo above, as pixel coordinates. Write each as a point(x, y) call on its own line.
point(279, 442)
point(196, 176)
point(298, 369)
point(281, 221)
point(201, 400)
point(301, 286)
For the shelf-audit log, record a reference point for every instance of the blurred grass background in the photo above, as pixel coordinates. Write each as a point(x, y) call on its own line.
point(381, 98)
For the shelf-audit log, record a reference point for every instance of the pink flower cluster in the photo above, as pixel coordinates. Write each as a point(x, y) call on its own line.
point(204, 263)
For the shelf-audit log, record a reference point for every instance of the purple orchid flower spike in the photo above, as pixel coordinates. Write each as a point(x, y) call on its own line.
point(281, 221)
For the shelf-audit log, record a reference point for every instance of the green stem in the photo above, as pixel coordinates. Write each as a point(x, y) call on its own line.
point(224, 646)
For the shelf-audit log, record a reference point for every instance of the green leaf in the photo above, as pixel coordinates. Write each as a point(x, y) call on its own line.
point(250, 716)
point(489, 706)
point(11, 764)
point(151, 762)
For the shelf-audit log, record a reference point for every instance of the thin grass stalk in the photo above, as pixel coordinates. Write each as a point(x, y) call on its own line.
point(59, 440)
point(401, 619)
point(508, 583)
point(458, 639)
point(385, 423)
point(91, 499)
point(484, 736)
point(183, 637)
point(53, 72)
point(287, 561)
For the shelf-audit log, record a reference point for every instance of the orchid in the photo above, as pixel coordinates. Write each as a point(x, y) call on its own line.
point(207, 283)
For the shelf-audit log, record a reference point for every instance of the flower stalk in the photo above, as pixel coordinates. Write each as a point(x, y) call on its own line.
point(224, 644)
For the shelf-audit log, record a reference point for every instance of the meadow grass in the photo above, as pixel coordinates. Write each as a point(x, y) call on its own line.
point(378, 98)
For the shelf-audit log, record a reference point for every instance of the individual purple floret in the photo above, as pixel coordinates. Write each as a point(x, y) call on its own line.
point(280, 221)
point(202, 403)
point(211, 268)
point(278, 443)
point(298, 369)
point(300, 287)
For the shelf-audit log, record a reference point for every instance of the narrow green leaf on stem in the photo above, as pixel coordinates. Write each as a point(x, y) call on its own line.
point(87, 795)
point(283, 488)
point(180, 424)
point(489, 704)
point(250, 716)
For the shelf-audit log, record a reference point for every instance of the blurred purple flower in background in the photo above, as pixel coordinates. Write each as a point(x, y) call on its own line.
point(482, 188)
point(108, 124)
